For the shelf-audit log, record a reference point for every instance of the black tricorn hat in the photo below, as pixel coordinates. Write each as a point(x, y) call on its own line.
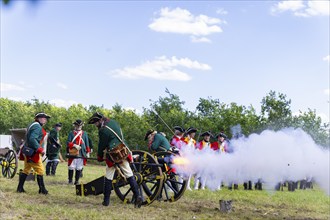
point(78, 122)
point(95, 117)
point(41, 115)
point(58, 124)
point(178, 128)
point(206, 133)
point(191, 130)
point(148, 133)
point(221, 134)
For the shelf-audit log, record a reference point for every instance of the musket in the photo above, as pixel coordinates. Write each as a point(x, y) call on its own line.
point(199, 134)
point(77, 157)
point(53, 141)
point(164, 122)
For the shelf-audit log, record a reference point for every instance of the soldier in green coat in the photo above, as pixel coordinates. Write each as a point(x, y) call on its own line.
point(110, 137)
point(53, 150)
point(35, 136)
point(157, 142)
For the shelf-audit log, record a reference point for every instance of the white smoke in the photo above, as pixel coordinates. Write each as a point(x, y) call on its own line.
point(286, 155)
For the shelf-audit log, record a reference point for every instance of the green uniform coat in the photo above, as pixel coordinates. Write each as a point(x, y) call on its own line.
point(52, 149)
point(34, 135)
point(107, 139)
point(160, 143)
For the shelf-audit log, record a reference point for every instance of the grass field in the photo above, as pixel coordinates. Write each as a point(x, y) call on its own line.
point(62, 203)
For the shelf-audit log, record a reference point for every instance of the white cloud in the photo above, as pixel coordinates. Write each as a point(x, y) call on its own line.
point(327, 91)
point(327, 58)
point(303, 8)
point(62, 85)
point(181, 21)
point(63, 103)
point(195, 39)
point(161, 68)
point(5, 87)
point(288, 6)
point(221, 11)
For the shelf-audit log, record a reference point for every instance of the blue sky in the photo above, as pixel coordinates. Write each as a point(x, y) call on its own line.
point(129, 52)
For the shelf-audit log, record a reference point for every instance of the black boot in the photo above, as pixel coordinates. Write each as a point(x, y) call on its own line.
point(235, 186)
point(135, 188)
point(22, 178)
point(42, 188)
point(54, 167)
point(302, 184)
point(81, 173)
point(77, 176)
point(70, 176)
point(107, 191)
point(291, 187)
point(48, 165)
point(245, 184)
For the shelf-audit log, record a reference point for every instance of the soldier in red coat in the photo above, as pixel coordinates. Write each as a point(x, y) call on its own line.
point(203, 145)
point(77, 146)
point(221, 144)
point(190, 143)
point(177, 141)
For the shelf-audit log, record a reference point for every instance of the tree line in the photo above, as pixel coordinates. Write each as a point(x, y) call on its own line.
point(210, 115)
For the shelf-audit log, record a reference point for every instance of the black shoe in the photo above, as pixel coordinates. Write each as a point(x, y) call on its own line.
point(106, 203)
point(42, 188)
point(22, 178)
point(107, 187)
point(138, 202)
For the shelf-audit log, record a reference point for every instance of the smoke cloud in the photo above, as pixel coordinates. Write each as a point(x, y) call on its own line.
point(286, 155)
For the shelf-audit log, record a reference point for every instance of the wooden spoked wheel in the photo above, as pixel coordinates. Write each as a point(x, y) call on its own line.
point(174, 185)
point(9, 164)
point(148, 175)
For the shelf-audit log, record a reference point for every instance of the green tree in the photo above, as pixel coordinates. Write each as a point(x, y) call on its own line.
point(275, 111)
point(312, 124)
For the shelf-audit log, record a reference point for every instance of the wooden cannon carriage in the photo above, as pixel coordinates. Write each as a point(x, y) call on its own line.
point(8, 157)
point(154, 174)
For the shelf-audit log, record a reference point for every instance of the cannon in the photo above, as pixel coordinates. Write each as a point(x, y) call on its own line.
point(8, 162)
point(154, 174)
point(8, 157)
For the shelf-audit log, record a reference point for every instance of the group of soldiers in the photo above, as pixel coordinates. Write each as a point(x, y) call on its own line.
point(78, 149)
point(186, 139)
point(112, 149)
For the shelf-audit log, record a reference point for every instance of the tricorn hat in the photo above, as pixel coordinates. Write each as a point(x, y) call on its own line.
point(191, 130)
point(221, 134)
point(78, 122)
point(178, 128)
point(95, 117)
point(41, 115)
point(206, 133)
point(148, 133)
point(58, 124)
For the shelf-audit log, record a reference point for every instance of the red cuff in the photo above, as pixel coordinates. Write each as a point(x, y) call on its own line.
point(100, 159)
point(88, 149)
point(109, 163)
point(40, 150)
point(130, 158)
point(70, 145)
